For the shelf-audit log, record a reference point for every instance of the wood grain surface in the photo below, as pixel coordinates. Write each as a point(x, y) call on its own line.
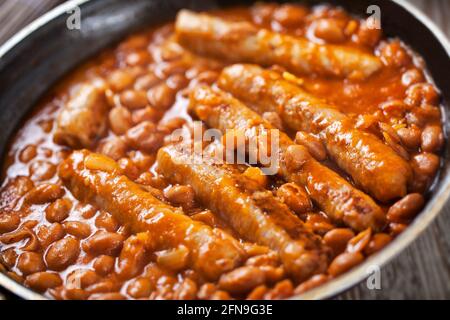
point(422, 271)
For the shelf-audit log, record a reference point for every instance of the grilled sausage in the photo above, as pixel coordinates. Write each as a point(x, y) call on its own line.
point(255, 214)
point(96, 179)
point(334, 195)
point(372, 164)
point(83, 118)
point(243, 42)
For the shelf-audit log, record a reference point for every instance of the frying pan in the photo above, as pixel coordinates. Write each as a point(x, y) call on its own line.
point(41, 53)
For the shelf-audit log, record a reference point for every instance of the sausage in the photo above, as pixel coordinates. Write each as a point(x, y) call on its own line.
point(256, 215)
point(330, 192)
point(244, 42)
point(373, 165)
point(97, 179)
point(83, 119)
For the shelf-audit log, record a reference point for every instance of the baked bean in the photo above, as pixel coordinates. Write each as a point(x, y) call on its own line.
point(141, 160)
point(273, 274)
point(147, 114)
point(87, 211)
point(394, 108)
point(367, 35)
point(62, 253)
point(133, 99)
point(106, 222)
point(344, 262)
point(425, 164)
point(269, 259)
point(107, 296)
point(8, 258)
point(258, 293)
point(102, 242)
point(129, 168)
point(274, 119)
point(207, 217)
point(103, 286)
point(139, 288)
point(242, 279)
point(220, 295)
point(180, 196)
point(28, 153)
point(289, 15)
point(406, 208)
point(410, 137)
point(337, 239)
point(9, 221)
point(295, 197)
point(282, 289)
point(396, 228)
point(423, 115)
point(114, 148)
point(146, 81)
point(174, 67)
point(14, 189)
point(318, 223)
point(137, 58)
point(207, 77)
point(174, 123)
point(420, 94)
point(120, 120)
point(103, 265)
point(133, 256)
point(161, 96)
point(330, 30)
point(78, 229)
point(49, 234)
point(296, 156)
point(411, 77)
point(73, 294)
point(58, 210)
point(378, 242)
point(30, 262)
point(42, 170)
point(134, 42)
point(173, 259)
point(81, 278)
point(120, 80)
point(393, 54)
point(145, 137)
point(360, 241)
point(95, 161)
point(432, 138)
point(44, 193)
point(262, 12)
point(21, 234)
point(257, 176)
point(177, 81)
point(206, 291)
point(187, 290)
point(311, 283)
point(42, 281)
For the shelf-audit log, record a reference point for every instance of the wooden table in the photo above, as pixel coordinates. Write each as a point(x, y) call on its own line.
point(422, 271)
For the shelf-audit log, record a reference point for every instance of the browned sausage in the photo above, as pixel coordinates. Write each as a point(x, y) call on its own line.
point(83, 118)
point(255, 214)
point(243, 42)
point(97, 179)
point(372, 164)
point(334, 195)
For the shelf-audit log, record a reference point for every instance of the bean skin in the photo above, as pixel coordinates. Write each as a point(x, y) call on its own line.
point(62, 253)
point(344, 262)
point(108, 243)
point(406, 208)
point(30, 262)
point(242, 279)
point(42, 281)
point(8, 222)
point(337, 239)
